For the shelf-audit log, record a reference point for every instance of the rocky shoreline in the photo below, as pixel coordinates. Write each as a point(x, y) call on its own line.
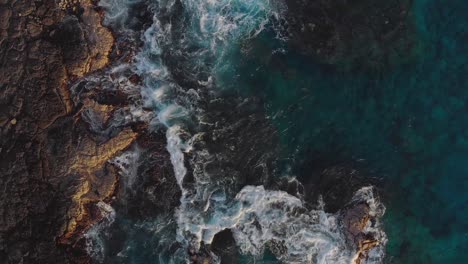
point(55, 164)
point(63, 121)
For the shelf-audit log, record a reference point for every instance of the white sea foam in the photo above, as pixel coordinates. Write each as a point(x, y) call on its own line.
point(176, 146)
point(95, 235)
point(256, 216)
point(215, 21)
point(117, 12)
point(127, 163)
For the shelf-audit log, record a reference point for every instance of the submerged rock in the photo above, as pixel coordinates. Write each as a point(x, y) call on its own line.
point(359, 34)
point(224, 246)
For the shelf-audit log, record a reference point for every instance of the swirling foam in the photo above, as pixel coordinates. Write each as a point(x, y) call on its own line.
point(256, 216)
point(94, 236)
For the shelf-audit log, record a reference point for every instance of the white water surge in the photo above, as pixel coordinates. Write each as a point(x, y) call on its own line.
point(94, 236)
point(256, 216)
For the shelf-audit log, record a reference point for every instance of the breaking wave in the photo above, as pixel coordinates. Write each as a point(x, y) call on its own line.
point(95, 235)
point(191, 38)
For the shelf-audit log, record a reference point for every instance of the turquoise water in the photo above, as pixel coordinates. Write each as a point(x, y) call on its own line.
point(408, 124)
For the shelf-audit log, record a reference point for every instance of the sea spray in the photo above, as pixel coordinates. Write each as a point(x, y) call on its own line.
point(257, 217)
point(175, 146)
point(127, 163)
point(308, 236)
point(213, 25)
point(95, 235)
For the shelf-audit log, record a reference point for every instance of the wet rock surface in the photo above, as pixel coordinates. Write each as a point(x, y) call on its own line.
point(355, 219)
point(225, 247)
point(55, 146)
point(152, 189)
point(60, 135)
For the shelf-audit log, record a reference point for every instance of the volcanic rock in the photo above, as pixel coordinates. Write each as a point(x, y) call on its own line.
point(52, 168)
point(355, 219)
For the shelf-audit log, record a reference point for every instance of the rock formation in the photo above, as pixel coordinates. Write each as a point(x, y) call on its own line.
point(54, 166)
point(59, 130)
point(355, 219)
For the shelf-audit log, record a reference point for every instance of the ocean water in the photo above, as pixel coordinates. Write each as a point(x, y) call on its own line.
point(406, 124)
point(212, 67)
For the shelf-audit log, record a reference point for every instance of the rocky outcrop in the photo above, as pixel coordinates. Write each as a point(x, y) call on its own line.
point(98, 181)
point(355, 219)
point(85, 43)
point(54, 167)
point(224, 246)
point(56, 142)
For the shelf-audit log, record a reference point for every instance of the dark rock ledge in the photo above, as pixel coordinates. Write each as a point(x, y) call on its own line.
point(53, 168)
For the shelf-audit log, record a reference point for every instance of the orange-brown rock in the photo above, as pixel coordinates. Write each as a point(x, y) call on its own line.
point(102, 112)
point(51, 166)
point(89, 40)
point(98, 182)
point(363, 249)
point(355, 219)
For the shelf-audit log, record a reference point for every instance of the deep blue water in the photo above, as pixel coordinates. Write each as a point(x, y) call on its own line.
point(408, 124)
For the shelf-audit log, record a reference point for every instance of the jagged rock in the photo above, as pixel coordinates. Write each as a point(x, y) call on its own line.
point(98, 182)
point(51, 166)
point(355, 219)
point(224, 246)
point(202, 256)
point(86, 44)
point(154, 179)
point(278, 248)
